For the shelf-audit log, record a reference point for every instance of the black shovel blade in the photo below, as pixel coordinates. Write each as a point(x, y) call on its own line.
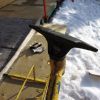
point(60, 44)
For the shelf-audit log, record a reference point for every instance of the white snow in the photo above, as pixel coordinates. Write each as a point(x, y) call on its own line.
point(83, 20)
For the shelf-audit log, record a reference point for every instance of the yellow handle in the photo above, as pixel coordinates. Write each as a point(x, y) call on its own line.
point(57, 69)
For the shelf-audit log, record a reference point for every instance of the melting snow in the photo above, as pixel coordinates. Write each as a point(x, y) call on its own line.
point(83, 20)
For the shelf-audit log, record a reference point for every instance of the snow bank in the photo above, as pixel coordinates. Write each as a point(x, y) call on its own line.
point(83, 20)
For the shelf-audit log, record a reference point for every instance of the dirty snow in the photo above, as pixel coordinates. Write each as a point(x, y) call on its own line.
point(82, 18)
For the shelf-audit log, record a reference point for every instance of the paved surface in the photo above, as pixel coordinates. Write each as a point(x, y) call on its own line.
point(12, 33)
point(4, 55)
point(12, 30)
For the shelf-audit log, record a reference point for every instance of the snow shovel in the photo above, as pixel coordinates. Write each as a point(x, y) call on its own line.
point(58, 46)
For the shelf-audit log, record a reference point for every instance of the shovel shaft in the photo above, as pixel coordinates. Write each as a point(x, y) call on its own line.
point(57, 70)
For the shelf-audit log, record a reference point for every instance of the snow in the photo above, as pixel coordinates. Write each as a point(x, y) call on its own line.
point(83, 21)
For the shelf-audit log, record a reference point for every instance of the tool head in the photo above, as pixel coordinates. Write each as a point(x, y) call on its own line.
point(60, 44)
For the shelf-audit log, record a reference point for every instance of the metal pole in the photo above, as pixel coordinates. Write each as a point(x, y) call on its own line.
point(44, 9)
